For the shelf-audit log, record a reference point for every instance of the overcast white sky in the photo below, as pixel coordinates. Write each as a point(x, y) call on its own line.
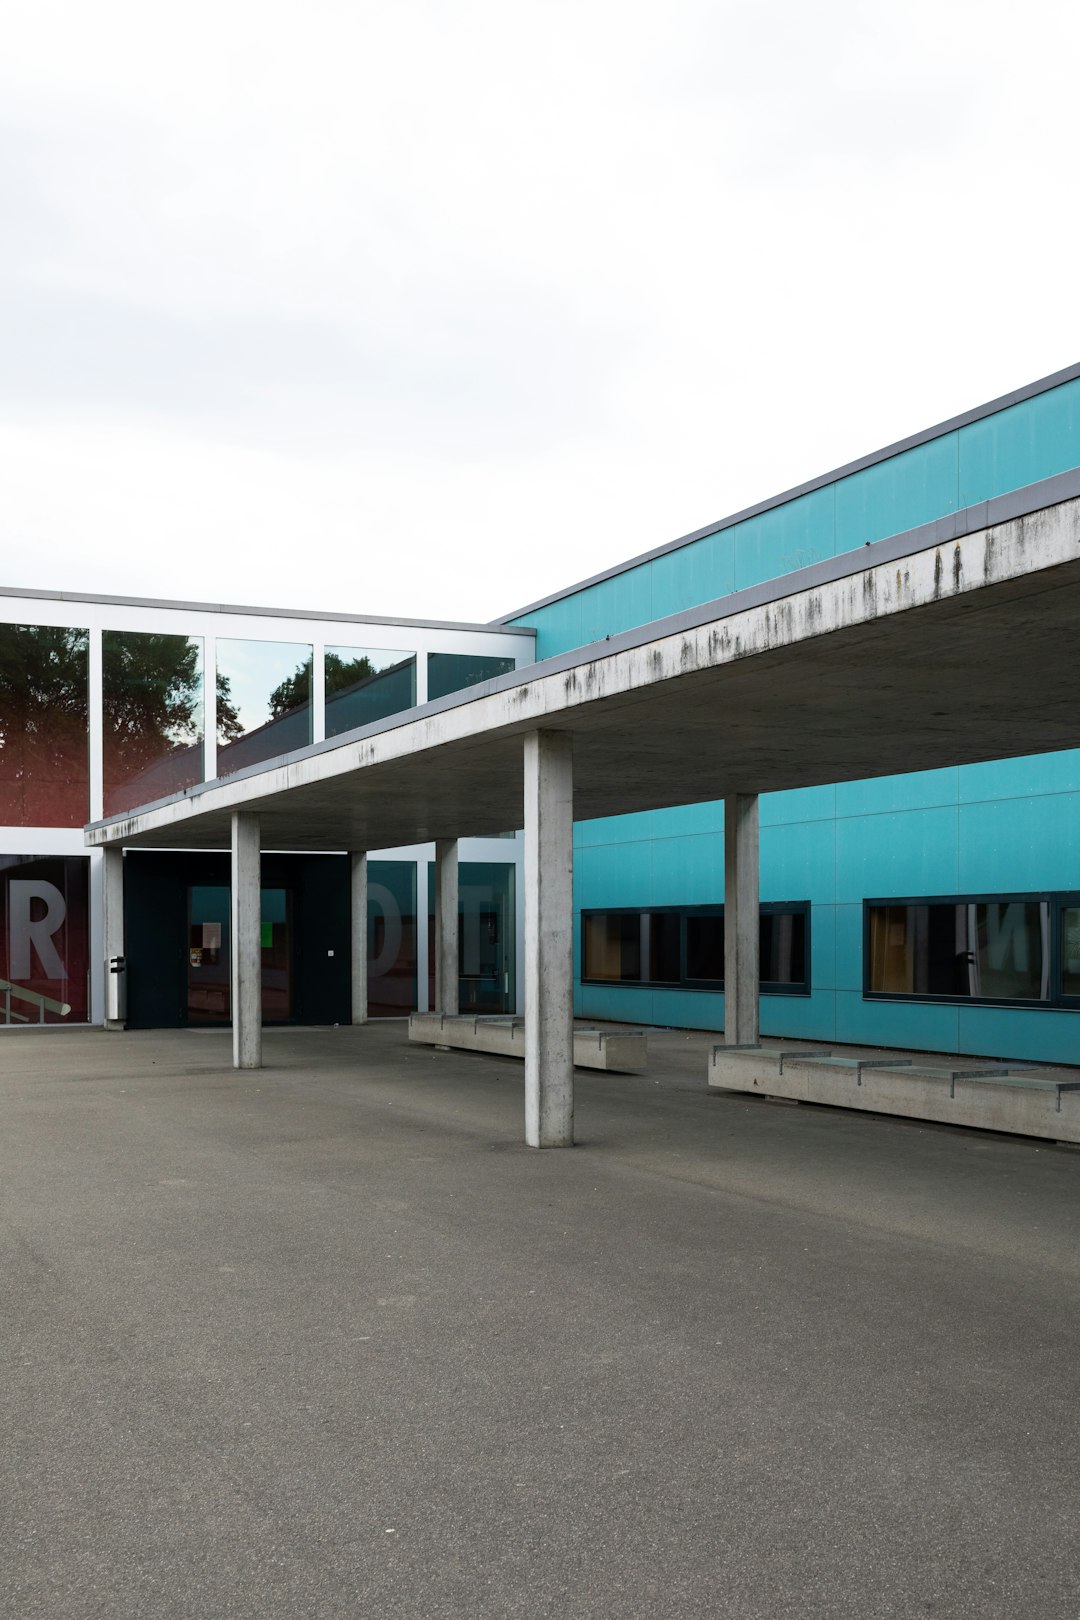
point(431, 308)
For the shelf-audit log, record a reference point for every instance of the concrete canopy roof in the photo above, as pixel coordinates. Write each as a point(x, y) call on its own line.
point(950, 644)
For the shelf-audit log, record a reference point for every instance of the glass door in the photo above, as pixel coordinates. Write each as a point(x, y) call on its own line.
point(277, 976)
point(391, 938)
point(208, 955)
point(485, 937)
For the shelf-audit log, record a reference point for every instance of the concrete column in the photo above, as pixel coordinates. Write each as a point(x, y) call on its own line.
point(246, 956)
point(549, 941)
point(447, 968)
point(741, 909)
point(209, 708)
point(423, 941)
point(358, 872)
point(113, 910)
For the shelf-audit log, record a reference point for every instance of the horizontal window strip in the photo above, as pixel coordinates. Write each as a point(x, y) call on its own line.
point(1011, 950)
point(671, 947)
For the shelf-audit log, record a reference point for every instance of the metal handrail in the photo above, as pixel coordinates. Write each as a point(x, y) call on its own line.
point(44, 1004)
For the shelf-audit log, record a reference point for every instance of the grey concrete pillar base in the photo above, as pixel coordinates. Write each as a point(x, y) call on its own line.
point(742, 888)
point(245, 967)
point(549, 944)
point(358, 877)
point(447, 968)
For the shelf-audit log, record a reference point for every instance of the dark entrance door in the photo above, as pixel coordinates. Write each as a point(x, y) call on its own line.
point(176, 908)
point(208, 954)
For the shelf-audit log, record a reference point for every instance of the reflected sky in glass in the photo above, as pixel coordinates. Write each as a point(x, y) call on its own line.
point(345, 665)
point(255, 672)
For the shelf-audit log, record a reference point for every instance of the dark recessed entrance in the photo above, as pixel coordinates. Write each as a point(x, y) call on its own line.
point(209, 955)
point(177, 923)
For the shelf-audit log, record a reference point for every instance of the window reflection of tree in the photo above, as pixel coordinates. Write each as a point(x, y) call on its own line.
point(152, 706)
point(288, 725)
point(44, 769)
point(341, 675)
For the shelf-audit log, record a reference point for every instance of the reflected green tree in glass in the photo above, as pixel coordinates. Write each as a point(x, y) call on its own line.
point(295, 690)
point(43, 712)
point(153, 697)
point(229, 724)
point(153, 712)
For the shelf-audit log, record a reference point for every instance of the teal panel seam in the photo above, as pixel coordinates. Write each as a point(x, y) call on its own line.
point(1014, 798)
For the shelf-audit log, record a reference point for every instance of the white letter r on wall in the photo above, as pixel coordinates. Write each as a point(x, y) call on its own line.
point(23, 931)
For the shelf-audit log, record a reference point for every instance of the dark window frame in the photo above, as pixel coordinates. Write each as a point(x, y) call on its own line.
point(1062, 900)
point(770, 908)
point(1056, 900)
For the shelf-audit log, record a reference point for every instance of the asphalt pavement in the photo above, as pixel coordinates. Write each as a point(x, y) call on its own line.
point(326, 1340)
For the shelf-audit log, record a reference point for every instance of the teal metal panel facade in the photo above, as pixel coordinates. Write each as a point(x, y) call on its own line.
point(901, 493)
point(800, 532)
point(1020, 445)
point(908, 852)
point(1013, 447)
point(1009, 827)
point(1022, 844)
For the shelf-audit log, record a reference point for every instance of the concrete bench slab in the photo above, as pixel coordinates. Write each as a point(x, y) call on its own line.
point(1018, 1098)
point(618, 1051)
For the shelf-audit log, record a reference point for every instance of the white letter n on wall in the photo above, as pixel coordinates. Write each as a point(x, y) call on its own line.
point(24, 931)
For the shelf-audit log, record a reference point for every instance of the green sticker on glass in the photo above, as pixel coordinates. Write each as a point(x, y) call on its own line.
point(267, 936)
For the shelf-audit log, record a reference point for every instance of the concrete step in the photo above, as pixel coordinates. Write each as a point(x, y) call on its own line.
point(621, 1051)
point(1018, 1098)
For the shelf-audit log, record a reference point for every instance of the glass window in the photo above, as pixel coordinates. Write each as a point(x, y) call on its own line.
point(687, 948)
point(705, 946)
point(1070, 951)
point(452, 672)
point(781, 944)
point(989, 950)
point(663, 931)
point(152, 698)
point(44, 760)
point(1009, 941)
point(365, 684)
point(783, 947)
point(612, 946)
point(263, 701)
point(44, 939)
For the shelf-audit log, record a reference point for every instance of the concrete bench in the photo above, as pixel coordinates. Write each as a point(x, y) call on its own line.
point(618, 1051)
point(1017, 1098)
